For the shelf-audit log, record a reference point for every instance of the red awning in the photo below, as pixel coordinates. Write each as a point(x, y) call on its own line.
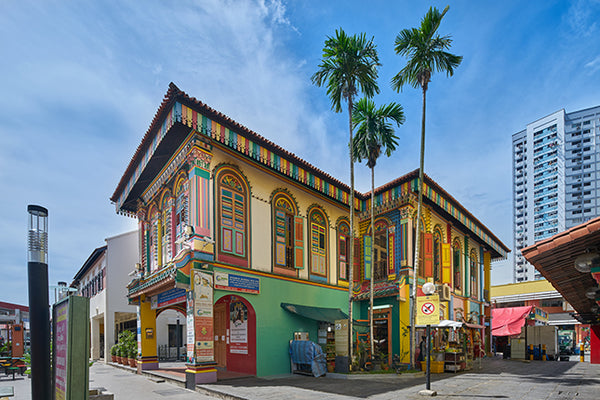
point(509, 321)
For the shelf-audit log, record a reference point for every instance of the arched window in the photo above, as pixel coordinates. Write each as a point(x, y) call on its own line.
point(343, 250)
point(287, 233)
point(232, 216)
point(437, 255)
point(153, 238)
point(473, 274)
point(318, 243)
point(380, 250)
point(181, 211)
point(456, 264)
point(167, 229)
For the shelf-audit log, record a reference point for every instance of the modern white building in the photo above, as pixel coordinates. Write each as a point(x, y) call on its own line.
point(556, 179)
point(103, 278)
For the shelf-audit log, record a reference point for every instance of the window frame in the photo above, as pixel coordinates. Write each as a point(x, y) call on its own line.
point(236, 192)
point(321, 228)
point(284, 208)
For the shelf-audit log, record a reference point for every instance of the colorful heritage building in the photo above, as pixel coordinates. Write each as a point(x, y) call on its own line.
point(237, 233)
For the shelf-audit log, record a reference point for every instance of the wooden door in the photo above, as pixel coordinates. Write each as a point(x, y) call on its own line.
point(221, 334)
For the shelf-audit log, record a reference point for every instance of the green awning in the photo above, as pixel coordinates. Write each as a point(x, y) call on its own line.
point(317, 313)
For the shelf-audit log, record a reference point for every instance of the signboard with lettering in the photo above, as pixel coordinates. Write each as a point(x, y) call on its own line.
point(203, 316)
point(171, 296)
point(428, 310)
point(236, 283)
point(71, 342)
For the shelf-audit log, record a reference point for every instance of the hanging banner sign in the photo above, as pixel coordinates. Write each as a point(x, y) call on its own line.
point(238, 327)
point(203, 316)
point(191, 339)
point(428, 310)
point(236, 283)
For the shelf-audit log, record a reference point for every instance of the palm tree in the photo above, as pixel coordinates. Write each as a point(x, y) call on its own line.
point(374, 134)
point(349, 64)
point(427, 53)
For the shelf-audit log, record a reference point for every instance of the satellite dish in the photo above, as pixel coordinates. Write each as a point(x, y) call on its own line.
point(429, 288)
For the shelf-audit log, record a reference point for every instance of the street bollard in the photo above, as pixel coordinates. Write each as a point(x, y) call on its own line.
point(544, 352)
point(581, 353)
point(530, 352)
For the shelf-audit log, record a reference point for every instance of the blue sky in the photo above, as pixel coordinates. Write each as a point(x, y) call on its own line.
point(81, 82)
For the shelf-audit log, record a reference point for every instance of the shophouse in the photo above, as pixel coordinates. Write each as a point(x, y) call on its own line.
point(102, 278)
point(245, 239)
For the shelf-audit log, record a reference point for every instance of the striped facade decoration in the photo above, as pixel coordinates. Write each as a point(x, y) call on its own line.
point(221, 134)
point(257, 152)
point(442, 202)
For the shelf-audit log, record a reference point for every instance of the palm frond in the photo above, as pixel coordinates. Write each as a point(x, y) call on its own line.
point(426, 52)
point(349, 65)
point(374, 131)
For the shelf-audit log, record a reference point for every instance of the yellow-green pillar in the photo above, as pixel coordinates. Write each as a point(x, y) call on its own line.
point(148, 359)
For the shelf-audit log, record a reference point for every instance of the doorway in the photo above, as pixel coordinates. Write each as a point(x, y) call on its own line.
point(235, 335)
point(382, 332)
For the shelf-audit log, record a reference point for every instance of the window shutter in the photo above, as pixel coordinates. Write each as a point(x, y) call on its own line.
point(356, 272)
point(280, 238)
point(299, 242)
point(342, 252)
point(428, 254)
point(446, 264)
point(368, 260)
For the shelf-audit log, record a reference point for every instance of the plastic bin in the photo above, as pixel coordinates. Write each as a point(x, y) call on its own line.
point(436, 367)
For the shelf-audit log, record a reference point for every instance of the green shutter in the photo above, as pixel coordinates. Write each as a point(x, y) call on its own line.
point(368, 260)
point(280, 238)
point(299, 243)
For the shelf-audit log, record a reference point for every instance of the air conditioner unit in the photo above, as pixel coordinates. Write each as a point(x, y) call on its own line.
point(444, 292)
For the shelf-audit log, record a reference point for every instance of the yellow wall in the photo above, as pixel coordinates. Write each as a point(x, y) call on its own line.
point(522, 288)
point(263, 184)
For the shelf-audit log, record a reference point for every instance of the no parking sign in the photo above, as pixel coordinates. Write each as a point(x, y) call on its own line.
point(428, 310)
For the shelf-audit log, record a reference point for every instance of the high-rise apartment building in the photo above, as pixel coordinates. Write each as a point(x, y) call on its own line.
point(556, 179)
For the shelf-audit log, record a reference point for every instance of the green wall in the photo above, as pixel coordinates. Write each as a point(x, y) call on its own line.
point(275, 326)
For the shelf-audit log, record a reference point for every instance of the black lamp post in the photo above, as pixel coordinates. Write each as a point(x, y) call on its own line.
point(39, 314)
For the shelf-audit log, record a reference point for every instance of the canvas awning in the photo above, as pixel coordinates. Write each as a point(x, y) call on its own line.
point(322, 314)
point(445, 323)
point(509, 321)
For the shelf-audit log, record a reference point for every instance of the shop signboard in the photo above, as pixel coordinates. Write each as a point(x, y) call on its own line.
point(236, 283)
point(428, 310)
point(71, 341)
point(203, 316)
point(341, 337)
point(167, 298)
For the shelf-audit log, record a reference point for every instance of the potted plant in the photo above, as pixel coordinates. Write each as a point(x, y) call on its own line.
point(113, 353)
point(123, 352)
point(132, 354)
point(118, 353)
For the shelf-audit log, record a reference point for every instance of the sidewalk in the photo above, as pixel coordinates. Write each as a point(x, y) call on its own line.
point(497, 378)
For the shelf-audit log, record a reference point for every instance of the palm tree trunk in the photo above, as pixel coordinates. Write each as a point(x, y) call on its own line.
point(372, 264)
point(413, 339)
point(351, 258)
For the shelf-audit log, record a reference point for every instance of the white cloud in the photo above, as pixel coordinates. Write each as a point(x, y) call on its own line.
point(593, 65)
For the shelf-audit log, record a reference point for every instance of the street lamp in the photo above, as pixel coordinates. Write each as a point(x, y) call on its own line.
point(39, 314)
point(428, 289)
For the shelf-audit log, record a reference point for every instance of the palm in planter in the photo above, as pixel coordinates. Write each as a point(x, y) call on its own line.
point(427, 52)
point(374, 135)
